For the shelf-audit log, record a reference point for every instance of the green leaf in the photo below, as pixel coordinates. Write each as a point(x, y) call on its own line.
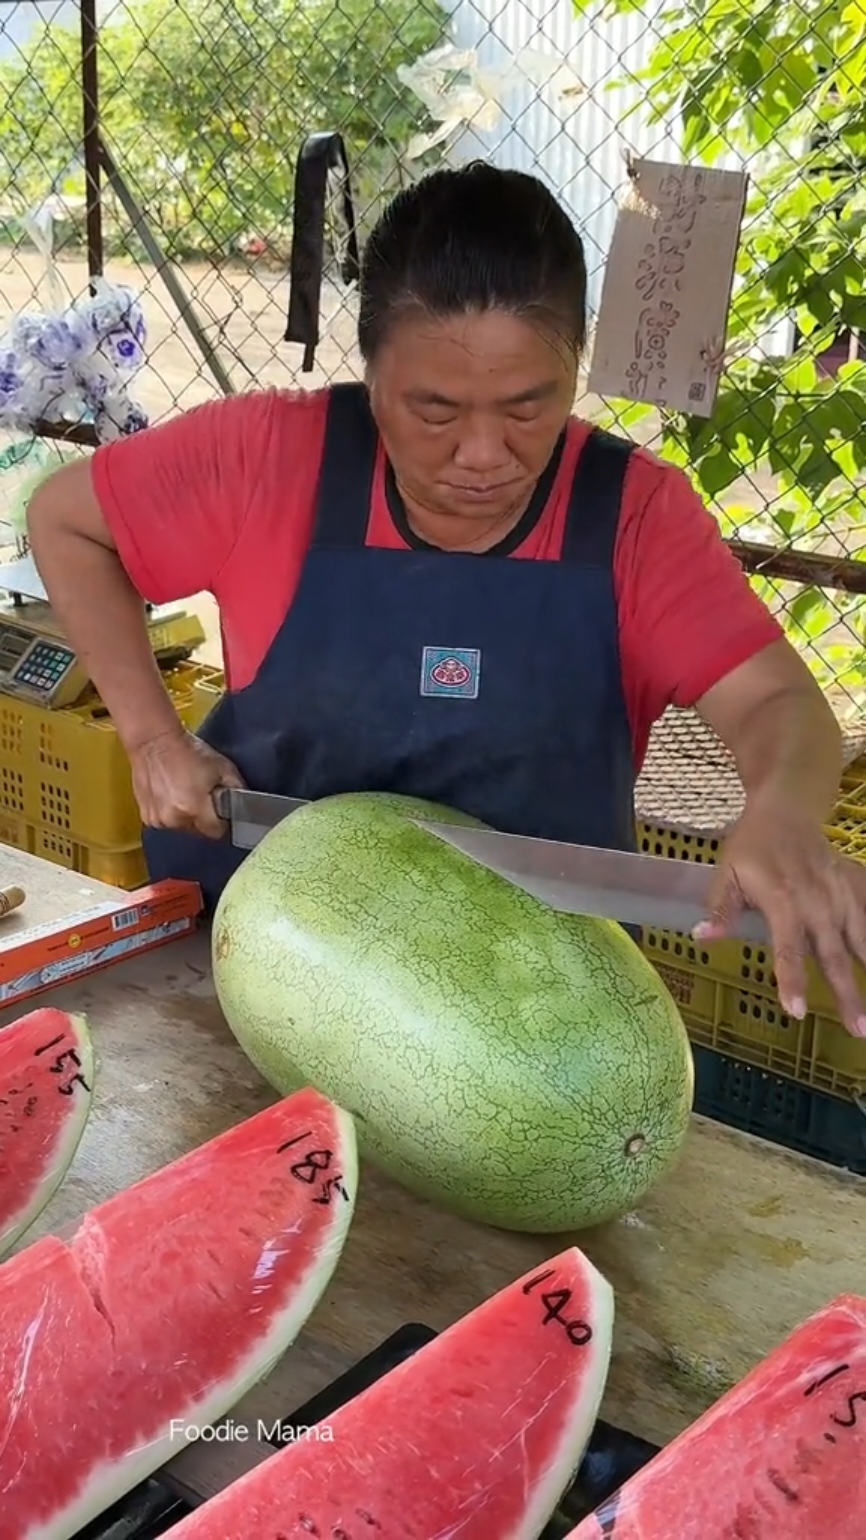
point(717, 470)
point(781, 86)
point(806, 604)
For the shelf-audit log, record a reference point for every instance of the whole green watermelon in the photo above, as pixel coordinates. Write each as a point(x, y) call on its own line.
point(519, 1066)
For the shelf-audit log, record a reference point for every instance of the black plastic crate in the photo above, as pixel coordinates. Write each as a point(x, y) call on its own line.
point(611, 1458)
point(783, 1111)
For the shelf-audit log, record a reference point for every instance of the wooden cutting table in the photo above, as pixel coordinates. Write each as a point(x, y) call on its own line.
point(739, 1244)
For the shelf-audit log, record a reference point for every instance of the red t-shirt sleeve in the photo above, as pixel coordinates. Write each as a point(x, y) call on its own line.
point(176, 497)
point(687, 613)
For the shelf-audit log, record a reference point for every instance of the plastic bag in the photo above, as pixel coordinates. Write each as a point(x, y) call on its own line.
point(72, 360)
point(459, 92)
point(24, 465)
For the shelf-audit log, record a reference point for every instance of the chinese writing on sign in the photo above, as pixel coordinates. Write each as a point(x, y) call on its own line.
point(659, 273)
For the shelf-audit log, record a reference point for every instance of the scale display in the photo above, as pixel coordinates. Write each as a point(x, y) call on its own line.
point(36, 663)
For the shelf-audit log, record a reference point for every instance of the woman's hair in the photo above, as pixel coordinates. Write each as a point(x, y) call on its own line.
point(473, 239)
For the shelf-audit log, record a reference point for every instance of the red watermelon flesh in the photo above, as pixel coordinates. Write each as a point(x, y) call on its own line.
point(46, 1086)
point(170, 1301)
point(474, 1438)
point(780, 1457)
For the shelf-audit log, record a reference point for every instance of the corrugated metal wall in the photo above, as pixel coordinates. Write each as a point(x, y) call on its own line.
point(577, 150)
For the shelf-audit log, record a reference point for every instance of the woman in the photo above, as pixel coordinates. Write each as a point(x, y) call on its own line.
point(440, 583)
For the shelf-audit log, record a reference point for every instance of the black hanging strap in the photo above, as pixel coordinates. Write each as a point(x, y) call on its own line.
point(319, 155)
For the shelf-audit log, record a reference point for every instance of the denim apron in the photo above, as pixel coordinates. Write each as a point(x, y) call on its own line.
point(487, 683)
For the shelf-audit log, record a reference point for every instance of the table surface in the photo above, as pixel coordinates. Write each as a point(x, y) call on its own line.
point(50, 892)
point(740, 1243)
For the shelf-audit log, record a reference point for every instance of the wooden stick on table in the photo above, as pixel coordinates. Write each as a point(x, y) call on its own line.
point(10, 898)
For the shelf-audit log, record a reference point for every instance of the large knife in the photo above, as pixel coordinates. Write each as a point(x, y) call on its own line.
point(575, 879)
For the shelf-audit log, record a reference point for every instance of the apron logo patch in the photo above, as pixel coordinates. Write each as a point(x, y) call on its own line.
point(451, 671)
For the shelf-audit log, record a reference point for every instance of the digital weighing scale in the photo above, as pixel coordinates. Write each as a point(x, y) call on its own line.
point(37, 664)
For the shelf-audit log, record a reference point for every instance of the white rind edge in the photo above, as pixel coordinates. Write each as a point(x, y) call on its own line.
point(107, 1484)
point(66, 1148)
point(550, 1485)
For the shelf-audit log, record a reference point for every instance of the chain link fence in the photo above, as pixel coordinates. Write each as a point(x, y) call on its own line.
point(204, 105)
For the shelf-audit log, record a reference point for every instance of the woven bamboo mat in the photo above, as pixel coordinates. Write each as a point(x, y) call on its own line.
point(689, 780)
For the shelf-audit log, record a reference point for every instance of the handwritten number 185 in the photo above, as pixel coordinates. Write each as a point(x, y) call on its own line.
point(312, 1166)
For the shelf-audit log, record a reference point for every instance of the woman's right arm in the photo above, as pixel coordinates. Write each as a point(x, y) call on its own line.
point(101, 611)
point(153, 517)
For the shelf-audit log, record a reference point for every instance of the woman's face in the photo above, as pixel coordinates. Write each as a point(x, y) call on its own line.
point(470, 409)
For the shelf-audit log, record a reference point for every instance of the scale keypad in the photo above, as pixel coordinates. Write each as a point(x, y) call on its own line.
point(44, 667)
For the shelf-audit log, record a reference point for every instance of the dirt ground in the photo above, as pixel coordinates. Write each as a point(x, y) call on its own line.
point(242, 313)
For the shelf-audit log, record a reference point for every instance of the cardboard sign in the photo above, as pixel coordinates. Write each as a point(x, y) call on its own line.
point(667, 287)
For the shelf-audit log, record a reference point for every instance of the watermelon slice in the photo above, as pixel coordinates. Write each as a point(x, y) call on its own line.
point(169, 1302)
point(477, 1436)
point(780, 1457)
point(46, 1086)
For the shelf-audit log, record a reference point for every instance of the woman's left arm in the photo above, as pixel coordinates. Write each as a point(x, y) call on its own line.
point(693, 633)
point(773, 717)
point(779, 726)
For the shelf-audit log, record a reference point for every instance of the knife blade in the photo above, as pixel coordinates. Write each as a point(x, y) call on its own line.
point(634, 889)
point(251, 815)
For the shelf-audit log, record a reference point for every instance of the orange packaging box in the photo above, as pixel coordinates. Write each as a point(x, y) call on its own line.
point(42, 956)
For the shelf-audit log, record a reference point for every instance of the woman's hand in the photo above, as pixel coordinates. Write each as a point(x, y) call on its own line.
point(174, 777)
point(779, 861)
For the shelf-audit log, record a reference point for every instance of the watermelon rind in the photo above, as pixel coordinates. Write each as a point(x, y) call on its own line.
point(549, 1487)
point(108, 1483)
point(17, 1222)
point(515, 1065)
point(417, 1453)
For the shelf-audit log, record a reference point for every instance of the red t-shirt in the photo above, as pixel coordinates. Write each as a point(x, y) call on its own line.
point(222, 499)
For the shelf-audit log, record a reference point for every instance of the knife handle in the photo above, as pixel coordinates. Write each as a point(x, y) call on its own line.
point(222, 803)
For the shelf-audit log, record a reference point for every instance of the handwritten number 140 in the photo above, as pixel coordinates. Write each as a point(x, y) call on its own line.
point(556, 1303)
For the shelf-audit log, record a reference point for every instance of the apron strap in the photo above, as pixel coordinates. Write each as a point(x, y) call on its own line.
point(348, 464)
point(349, 461)
point(596, 495)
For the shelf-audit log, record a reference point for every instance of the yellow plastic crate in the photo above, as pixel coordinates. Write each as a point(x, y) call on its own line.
point(817, 1051)
point(727, 989)
point(745, 1026)
point(66, 772)
point(848, 832)
point(207, 691)
point(838, 1059)
point(120, 867)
